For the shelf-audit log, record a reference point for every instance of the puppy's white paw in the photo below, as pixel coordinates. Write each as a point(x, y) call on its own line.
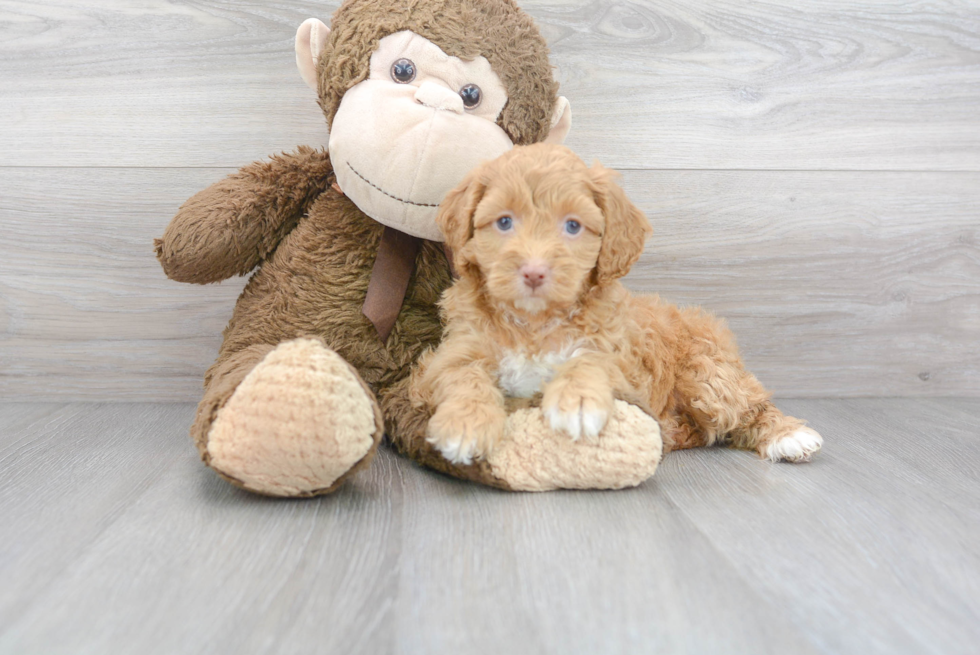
point(463, 434)
point(797, 446)
point(456, 449)
point(577, 409)
point(577, 423)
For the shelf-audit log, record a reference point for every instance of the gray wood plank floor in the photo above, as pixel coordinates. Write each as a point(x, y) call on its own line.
point(115, 539)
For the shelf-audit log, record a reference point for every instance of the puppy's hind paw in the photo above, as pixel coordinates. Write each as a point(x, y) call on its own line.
point(797, 446)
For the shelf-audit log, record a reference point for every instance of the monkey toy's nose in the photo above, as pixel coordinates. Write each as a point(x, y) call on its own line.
point(534, 274)
point(436, 96)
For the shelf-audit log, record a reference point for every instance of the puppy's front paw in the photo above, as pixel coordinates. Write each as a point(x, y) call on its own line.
point(796, 446)
point(576, 408)
point(463, 432)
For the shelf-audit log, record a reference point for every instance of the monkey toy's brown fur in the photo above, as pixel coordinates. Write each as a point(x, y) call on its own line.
point(311, 284)
point(314, 250)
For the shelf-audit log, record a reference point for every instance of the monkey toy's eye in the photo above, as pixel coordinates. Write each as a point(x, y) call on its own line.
point(505, 223)
point(403, 71)
point(471, 96)
point(572, 227)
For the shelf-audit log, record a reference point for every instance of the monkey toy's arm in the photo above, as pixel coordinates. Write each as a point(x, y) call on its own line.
point(231, 226)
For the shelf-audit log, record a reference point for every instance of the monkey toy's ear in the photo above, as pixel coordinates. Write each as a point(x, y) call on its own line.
point(310, 38)
point(561, 122)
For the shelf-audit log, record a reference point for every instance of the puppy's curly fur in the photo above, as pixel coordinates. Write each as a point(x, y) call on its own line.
point(540, 241)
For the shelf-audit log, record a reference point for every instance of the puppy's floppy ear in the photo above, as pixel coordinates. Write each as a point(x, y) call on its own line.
point(455, 217)
point(626, 227)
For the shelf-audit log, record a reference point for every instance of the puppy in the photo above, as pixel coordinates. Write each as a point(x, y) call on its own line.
point(539, 242)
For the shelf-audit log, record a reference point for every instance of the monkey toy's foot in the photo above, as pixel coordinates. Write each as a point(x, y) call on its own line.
point(534, 458)
point(298, 424)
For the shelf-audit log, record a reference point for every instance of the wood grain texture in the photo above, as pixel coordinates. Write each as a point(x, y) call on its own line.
point(823, 84)
point(826, 85)
point(85, 309)
point(116, 539)
point(573, 573)
point(827, 206)
point(885, 505)
point(835, 283)
point(861, 278)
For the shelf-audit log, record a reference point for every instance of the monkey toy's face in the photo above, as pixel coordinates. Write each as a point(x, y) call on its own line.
point(417, 120)
point(406, 135)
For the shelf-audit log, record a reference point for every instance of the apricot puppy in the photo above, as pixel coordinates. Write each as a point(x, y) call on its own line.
point(539, 242)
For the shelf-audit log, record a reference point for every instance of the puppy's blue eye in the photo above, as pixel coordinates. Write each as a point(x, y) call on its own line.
point(504, 223)
point(572, 227)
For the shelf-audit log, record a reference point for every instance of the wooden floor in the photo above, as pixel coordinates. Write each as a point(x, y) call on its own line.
point(811, 169)
point(115, 539)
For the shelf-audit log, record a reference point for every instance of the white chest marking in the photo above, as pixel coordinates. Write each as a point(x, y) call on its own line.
point(520, 376)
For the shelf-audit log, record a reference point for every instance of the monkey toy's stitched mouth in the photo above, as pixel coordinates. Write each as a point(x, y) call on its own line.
point(402, 200)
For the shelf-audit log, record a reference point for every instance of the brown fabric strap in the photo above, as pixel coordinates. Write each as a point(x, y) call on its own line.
point(389, 279)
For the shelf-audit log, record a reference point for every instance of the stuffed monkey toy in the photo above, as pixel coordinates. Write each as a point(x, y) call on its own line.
point(348, 261)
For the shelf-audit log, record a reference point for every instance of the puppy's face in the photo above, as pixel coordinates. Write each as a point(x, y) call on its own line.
point(540, 228)
point(536, 238)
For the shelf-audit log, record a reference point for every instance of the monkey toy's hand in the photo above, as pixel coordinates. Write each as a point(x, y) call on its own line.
point(229, 228)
